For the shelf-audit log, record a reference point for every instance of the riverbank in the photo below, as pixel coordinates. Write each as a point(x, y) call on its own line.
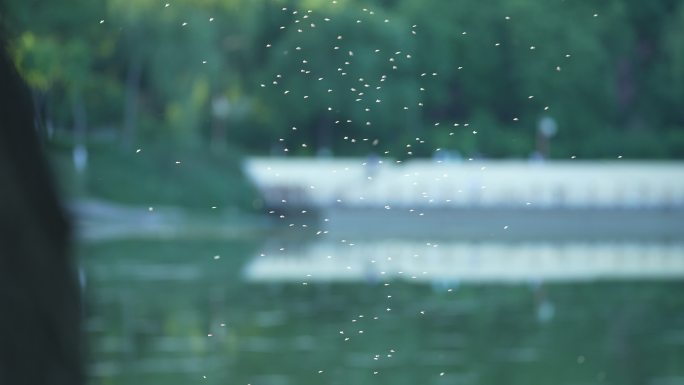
point(153, 174)
point(97, 220)
point(506, 223)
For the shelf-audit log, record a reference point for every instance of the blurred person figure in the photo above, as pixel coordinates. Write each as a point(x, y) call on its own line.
point(40, 317)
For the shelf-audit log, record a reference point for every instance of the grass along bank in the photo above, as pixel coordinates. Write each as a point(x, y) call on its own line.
point(156, 174)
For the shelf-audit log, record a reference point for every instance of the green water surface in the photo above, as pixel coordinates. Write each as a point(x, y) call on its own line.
point(169, 312)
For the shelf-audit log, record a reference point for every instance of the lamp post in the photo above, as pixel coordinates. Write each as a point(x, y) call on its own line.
point(546, 129)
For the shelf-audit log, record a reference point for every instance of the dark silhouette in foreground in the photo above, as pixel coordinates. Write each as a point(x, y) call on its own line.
point(40, 317)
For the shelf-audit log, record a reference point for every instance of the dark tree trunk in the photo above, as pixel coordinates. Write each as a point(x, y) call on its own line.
point(42, 115)
point(219, 136)
point(133, 78)
point(324, 140)
point(78, 109)
point(39, 114)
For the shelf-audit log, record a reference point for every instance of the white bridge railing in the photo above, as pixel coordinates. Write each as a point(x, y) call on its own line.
point(315, 182)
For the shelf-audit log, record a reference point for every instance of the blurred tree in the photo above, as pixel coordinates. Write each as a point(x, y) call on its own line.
point(605, 71)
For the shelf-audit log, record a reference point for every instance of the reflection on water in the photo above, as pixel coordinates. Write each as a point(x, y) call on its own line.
point(492, 262)
point(217, 312)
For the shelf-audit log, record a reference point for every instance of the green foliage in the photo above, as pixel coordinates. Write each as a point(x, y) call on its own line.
point(609, 73)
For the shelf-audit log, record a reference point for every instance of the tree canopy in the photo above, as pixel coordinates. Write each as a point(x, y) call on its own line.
point(395, 77)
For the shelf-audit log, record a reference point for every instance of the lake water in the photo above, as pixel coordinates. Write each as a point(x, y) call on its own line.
point(278, 311)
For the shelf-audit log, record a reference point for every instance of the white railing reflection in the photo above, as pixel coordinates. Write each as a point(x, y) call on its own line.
point(381, 261)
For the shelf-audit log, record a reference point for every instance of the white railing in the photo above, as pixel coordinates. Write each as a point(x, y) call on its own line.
point(355, 183)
